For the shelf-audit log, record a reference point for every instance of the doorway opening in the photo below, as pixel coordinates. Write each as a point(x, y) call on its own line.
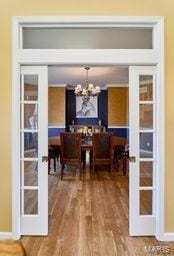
point(82, 198)
point(111, 115)
point(142, 135)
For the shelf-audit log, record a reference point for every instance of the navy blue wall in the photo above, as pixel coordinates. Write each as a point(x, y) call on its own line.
point(119, 132)
point(52, 132)
point(71, 110)
point(102, 114)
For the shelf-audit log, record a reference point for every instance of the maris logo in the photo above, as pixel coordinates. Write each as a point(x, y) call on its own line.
point(158, 249)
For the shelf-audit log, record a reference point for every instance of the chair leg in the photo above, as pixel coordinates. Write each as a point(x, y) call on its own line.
point(116, 163)
point(84, 158)
point(124, 165)
point(62, 168)
point(48, 165)
point(54, 164)
point(93, 167)
point(58, 156)
point(80, 167)
point(90, 158)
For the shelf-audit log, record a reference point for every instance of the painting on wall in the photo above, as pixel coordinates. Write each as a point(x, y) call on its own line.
point(86, 108)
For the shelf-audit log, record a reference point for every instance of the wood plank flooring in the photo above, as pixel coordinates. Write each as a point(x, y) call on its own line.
point(88, 215)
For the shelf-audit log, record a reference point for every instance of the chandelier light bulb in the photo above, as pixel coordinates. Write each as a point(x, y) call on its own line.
point(84, 91)
point(90, 86)
point(79, 86)
point(98, 89)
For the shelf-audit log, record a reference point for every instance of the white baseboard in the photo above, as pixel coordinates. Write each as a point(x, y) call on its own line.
point(6, 235)
point(167, 237)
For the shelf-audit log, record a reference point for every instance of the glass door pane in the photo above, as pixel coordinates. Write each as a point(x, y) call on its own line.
point(146, 174)
point(30, 144)
point(145, 202)
point(146, 145)
point(30, 173)
point(146, 88)
point(146, 116)
point(30, 201)
point(30, 88)
point(31, 116)
point(80, 38)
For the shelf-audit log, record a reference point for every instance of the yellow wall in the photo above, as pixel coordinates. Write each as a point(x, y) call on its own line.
point(9, 8)
point(56, 106)
point(118, 106)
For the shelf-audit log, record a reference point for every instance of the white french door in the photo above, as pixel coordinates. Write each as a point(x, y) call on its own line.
point(142, 104)
point(34, 150)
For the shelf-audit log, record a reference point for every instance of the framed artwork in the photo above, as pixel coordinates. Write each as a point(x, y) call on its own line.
point(86, 108)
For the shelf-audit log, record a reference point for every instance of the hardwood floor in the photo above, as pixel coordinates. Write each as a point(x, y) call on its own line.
point(88, 215)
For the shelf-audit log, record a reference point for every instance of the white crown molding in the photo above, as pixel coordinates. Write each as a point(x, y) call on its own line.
point(86, 21)
point(105, 87)
point(70, 88)
point(116, 85)
point(57, 85)
point(73, 88)
point(102, 88)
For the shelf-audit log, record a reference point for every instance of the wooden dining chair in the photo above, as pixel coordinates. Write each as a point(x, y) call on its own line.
point(102, 149)
point(70, 149)
point(98, 128)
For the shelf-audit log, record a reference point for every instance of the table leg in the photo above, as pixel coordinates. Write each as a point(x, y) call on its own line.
point(90, 158)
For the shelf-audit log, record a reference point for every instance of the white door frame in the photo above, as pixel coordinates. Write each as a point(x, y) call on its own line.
point(136, 57)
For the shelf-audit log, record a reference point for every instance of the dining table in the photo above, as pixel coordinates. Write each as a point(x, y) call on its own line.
point(120, 146)
point(54, 142)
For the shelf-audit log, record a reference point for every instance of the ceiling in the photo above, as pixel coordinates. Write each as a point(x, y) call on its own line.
point(101, 76)
point(71, 76)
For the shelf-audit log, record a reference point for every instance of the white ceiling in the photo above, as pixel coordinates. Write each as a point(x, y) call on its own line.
point(101, 76)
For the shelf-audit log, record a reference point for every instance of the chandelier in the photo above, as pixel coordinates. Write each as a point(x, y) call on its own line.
point(88, 90)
